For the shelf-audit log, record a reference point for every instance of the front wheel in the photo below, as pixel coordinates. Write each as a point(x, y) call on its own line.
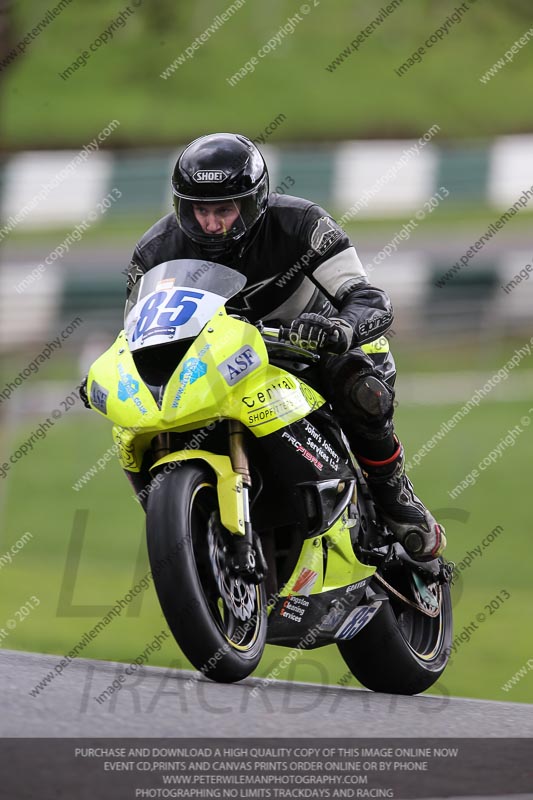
point(217, 619)
point(402, 650)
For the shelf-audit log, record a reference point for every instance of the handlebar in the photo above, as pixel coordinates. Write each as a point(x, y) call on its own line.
point(280, 338)
point(280, 334)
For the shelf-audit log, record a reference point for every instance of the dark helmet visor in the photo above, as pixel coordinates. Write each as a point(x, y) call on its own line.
point(235, 215)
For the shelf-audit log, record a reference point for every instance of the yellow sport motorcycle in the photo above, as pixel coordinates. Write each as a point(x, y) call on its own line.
point(260, 526)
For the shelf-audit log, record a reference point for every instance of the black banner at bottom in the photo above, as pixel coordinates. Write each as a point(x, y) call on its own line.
point(119, 769)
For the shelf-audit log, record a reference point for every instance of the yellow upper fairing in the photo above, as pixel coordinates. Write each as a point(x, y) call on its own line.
point(219, 376)
point(224, 372)
point(117, 391)
point(227, 374)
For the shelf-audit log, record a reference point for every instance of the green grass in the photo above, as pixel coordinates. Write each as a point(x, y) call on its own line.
point(469, 353)
point(37, 497)
point(362, 98)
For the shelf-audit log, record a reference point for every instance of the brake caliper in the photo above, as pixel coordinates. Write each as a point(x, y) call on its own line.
point(247, 559)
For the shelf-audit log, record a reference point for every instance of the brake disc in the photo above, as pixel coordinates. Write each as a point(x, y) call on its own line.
point(238, 596)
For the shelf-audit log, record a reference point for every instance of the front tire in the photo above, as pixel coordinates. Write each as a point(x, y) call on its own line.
point(401, 650)
point(217, 619)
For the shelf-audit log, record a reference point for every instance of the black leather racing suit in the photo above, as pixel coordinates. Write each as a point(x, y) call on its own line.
point(299, 260)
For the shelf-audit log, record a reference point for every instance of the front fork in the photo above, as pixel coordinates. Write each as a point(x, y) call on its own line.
point(248, 560)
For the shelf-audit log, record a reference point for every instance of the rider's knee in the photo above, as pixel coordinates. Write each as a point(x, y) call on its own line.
point(371, 397)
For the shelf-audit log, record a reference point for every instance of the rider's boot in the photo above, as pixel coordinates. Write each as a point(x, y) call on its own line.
point(402, 511)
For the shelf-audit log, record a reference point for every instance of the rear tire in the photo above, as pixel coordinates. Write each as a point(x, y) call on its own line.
point(218, 620)
point(401, 650)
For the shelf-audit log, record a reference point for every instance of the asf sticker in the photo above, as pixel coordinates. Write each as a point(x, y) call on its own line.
point(324, 235)
point(99, 397)
point(239, 365)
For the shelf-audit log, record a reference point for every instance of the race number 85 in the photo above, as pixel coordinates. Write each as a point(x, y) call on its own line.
point(181, 301)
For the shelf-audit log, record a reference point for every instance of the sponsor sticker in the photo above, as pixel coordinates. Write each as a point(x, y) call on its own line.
point(324, 235)
point(128, 388)
point(193, 368)
point(358, 618)
point(239, 365)
point(305, 582)
point(270, 393)
point(302, 450)
point(294, 608)
point(321, 447)
point(273, 401)
point(274, 411)
point(99, 397)
point(357, 585)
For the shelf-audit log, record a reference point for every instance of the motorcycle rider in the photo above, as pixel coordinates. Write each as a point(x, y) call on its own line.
point(303, 272)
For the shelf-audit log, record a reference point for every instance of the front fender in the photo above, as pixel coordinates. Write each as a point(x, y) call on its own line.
point(229, 485)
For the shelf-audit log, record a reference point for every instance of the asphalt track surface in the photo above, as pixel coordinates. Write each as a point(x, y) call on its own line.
point(160, 705)
point(161, 702)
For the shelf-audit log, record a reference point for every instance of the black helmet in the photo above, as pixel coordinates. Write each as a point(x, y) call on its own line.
point(216, 168)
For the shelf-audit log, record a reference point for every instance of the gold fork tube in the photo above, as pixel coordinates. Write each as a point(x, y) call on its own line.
point(237, 451)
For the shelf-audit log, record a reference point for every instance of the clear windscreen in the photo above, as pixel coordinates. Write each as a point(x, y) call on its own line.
point(176, 299)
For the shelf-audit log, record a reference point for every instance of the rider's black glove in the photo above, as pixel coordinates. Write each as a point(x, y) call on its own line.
point(315, 332)
point(83, 393)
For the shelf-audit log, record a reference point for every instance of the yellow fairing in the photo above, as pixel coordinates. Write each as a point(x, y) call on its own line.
point(225, 373)
point(342, 566)
point(263, 397)
point(131, 446)
point(117, 391)
point(229, 485)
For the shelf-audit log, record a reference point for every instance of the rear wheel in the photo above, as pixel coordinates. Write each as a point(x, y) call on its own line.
point(402, 650)
point(217, 618)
